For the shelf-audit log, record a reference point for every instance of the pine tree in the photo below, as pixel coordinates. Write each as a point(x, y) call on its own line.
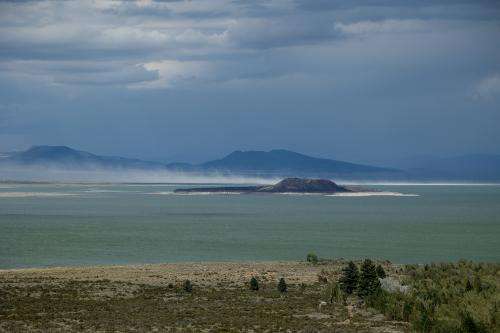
point(468, 285)
point(282, 286)
point(254, 284)
point(380, 272)
point(368, 282)
point(349, 279)
point(188, 286)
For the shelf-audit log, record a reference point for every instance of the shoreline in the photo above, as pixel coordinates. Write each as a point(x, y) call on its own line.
point(175, 265)
point(204, 273)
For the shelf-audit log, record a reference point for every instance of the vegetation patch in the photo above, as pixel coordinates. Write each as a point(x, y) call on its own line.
point(454, 297)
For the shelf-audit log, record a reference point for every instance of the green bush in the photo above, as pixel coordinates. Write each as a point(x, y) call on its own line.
point(312, 258)
point(381, 301)
point(470, 325)
point(254, 284)
point(478, 285)
point(442, 298)
point(282, 287)
point(334, 293)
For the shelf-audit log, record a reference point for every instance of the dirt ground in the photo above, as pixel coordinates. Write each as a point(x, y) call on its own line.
point(147, 298)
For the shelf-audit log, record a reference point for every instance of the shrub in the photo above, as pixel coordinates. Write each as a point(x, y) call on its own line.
point(380, 272)
point(282, 287)
point(349, 279)
point(380, 300)
point(424, 316)
point(468, 285)
point(470, 325)
point(478, 285)
point(322, 279)
point(368, 282)
point(323, 276)
point(312, 258)
point(334, 293)
point(254, 284)
point(435, 300)
point(393, 285)
point(188, 286)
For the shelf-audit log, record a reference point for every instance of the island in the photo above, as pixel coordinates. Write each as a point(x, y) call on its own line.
point(287, 185)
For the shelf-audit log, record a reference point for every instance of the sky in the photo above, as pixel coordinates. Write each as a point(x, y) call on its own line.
point(370, 81)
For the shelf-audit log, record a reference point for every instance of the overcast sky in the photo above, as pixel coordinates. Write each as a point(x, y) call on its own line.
point(365, 81)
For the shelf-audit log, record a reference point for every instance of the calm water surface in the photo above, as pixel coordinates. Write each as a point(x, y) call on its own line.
point(54, 225)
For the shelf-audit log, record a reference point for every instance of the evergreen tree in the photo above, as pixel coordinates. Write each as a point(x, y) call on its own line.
point(381, 272)
point(478, 285)
point(468, 285)
point(254, 284)
point(282, 286)
point(368, 282)
point(349, 279)
point(188, 286)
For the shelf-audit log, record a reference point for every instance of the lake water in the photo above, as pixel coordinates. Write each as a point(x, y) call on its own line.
point(56, 225)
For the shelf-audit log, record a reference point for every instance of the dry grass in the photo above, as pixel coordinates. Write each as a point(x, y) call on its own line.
point(151, 298)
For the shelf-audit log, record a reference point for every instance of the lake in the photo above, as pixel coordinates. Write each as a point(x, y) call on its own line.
point(73, 224)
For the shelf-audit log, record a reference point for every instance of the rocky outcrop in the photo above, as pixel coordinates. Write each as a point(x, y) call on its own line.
point(288, 185)
point(303, 185)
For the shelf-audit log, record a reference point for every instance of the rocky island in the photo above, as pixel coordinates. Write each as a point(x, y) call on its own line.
point(288, 185)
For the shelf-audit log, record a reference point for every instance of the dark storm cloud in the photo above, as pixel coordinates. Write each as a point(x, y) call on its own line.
point(361, 80)
point(339, 4)
point(386, 9)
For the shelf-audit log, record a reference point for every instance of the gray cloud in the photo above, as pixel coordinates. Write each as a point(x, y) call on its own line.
point(281, 32)
point(488, 88)
point(78, 72)
point(212, 76)
point(116, 42)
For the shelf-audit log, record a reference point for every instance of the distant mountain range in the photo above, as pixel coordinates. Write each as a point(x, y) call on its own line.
point(65, 157)
point(288, 163)
point(274, 163)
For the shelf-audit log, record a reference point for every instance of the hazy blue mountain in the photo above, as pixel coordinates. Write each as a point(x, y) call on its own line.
point(285, 162)
point(274, 163)
point(62, 156)
point(257, 163)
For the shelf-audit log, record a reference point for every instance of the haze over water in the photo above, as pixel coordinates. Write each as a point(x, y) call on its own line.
point(58, 225)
